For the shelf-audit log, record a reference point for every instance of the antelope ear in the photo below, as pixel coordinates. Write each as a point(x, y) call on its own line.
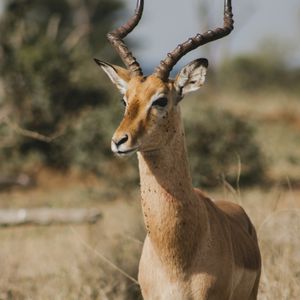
point(119, 76)
point(191, 77)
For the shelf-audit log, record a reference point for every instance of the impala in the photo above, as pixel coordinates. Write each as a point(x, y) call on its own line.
point(195, 248)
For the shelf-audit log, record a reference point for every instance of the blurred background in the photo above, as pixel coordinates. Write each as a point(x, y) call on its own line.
point(58, 112)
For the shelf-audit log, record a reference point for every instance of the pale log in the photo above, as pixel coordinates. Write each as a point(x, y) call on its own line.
point(47, 216)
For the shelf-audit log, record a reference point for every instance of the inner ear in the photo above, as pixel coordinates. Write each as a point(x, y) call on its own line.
point(191, 77)
point(119, 76)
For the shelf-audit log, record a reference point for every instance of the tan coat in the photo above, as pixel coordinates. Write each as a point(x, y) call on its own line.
point(195, 248)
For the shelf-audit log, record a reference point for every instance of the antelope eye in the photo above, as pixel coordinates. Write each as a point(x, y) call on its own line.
point(161, 102)
point(123, 102)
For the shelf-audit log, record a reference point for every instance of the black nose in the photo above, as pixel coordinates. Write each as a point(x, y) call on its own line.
point(122, 140)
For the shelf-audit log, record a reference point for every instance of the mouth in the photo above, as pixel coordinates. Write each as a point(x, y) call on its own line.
point(126, 152)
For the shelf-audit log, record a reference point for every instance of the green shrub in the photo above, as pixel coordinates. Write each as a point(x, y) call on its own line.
point(50, 81)
point(219, 144)
point(258, 72)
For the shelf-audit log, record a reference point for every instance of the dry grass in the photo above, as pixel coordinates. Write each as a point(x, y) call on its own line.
point(63, 262)
point(70, 262)
point(276, 215)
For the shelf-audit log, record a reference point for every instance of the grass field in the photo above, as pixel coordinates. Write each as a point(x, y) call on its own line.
point(99, 261)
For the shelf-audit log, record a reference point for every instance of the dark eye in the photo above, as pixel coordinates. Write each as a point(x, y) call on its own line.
point(161, 102)
point(123, 102)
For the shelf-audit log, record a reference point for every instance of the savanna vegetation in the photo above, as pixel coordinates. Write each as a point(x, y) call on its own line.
point(57, 115)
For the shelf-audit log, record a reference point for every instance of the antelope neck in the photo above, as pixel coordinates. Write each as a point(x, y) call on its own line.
point(166, 171)
point(170, 207)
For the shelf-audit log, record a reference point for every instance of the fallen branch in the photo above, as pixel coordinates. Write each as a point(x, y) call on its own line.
point(29, 133)
point(47, 216)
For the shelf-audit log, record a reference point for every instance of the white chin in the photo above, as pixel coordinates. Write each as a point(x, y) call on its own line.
point(125, 152)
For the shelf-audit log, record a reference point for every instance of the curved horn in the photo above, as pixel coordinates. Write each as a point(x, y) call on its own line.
point(166, 65)
point(115, 38)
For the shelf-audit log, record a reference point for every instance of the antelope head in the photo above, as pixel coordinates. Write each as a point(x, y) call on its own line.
point(151, 102)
